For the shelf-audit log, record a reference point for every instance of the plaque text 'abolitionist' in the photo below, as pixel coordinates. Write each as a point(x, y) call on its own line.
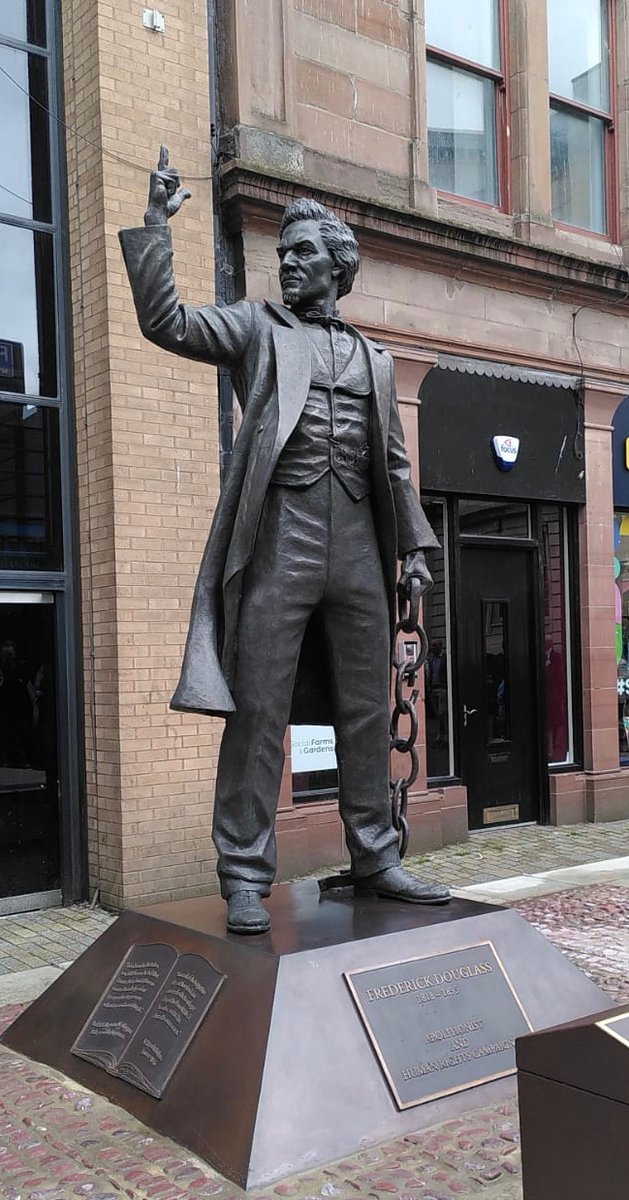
point(440, 1024)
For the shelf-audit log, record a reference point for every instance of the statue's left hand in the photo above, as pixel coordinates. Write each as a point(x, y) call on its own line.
point(414, 567)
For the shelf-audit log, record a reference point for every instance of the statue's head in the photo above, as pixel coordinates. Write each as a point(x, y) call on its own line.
point(318, 255)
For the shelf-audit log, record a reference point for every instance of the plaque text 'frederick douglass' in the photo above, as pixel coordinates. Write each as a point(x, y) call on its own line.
point(440, 1024)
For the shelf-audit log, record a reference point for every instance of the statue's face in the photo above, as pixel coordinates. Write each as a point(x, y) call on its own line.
point(307, 271)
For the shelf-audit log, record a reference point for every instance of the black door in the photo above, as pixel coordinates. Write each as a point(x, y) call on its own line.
point(499, 736)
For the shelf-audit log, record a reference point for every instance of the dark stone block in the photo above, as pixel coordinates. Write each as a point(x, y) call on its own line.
point(573, 1084)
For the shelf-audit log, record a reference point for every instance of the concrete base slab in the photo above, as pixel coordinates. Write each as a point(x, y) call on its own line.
point(23, 986)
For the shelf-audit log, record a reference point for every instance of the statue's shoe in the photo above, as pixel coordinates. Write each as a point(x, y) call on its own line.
point(246, 913)
point(399, 884)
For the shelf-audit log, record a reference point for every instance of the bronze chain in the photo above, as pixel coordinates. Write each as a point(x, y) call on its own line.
point(406, 672)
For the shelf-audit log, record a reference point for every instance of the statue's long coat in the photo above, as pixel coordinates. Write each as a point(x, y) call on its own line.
point(268, 355)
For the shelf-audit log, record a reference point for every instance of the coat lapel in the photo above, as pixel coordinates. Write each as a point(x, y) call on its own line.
point(292, 361)
point(381, 377)
point(292, 382)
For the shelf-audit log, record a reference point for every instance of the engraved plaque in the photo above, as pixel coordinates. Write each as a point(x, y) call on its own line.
point(148, 1015)
point(440, 1024)
point(618, 1027)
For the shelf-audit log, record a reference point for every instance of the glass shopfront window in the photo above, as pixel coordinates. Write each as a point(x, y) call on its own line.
point(477, 519)
point(554, 552)
point(30, 501)
point(27, 309)
point(494, 518)
point(621, 595)
point(40, 729)
point(438, 669)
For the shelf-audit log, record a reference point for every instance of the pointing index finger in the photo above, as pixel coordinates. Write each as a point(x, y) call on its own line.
point(163, 157)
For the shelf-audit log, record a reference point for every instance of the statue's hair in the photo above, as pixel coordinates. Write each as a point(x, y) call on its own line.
point(336, 235)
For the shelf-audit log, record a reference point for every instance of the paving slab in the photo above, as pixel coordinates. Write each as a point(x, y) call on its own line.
point(609, 870)
point(21, 986)
point(523, 887)
point(507, 891)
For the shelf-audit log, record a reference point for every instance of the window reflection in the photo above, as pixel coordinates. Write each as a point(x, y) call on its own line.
point(578, 51)
point(29, 488)
point(24, 20)
point(495, 616)
point(578, 56)
point(462, 133)
point(27, 305)
point(468, 30)
point(577, 151)
point(493, 518)
point(24, 149)
point(436, 615)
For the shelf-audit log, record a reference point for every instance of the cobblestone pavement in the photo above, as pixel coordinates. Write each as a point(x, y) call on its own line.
point(591, 927)
point(58, 1141)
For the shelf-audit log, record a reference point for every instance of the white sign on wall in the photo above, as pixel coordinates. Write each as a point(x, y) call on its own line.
point(506, 450)
point(312, 748)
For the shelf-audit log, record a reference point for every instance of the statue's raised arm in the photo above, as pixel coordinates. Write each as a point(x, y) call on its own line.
point(205, 332)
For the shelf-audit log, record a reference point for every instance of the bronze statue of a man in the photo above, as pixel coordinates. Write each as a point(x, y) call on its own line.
point(295, 602)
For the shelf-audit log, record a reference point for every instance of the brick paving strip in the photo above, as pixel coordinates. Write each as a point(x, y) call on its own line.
point(58, 1141)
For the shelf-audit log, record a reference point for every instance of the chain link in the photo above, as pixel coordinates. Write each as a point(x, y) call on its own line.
point(406, 672)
